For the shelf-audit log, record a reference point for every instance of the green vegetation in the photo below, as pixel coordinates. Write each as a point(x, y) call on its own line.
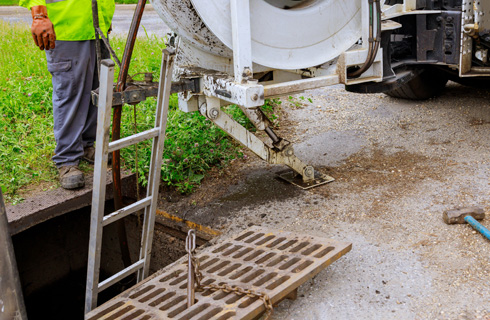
point(127, 1)
point(193, 144)
point(9, 2)
point(298, 103)
point(27, 141)
point(16, 2)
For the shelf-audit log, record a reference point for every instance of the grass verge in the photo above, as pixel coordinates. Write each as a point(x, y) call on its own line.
point(193, 144)
point(9, 2)
point(16, 2)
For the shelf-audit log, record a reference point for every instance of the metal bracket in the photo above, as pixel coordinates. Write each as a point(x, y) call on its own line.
point(219, 85)
point(357, 57)
point(211, 110)
point(136, 92)
point(293, 178)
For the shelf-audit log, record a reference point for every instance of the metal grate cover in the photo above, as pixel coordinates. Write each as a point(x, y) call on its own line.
point(272, 262)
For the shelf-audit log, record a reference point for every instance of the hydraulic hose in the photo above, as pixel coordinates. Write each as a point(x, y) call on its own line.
point(374, 42)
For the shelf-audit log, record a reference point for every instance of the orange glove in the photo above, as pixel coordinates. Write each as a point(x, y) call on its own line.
point(42, 29)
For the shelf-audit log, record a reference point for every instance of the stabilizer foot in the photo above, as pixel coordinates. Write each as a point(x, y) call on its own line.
point(296, 179)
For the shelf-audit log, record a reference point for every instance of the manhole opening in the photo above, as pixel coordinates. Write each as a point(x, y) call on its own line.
point(52, 260)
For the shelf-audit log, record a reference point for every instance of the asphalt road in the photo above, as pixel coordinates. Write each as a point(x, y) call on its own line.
point(150, 22)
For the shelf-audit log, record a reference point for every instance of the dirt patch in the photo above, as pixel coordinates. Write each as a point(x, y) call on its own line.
point(251, 186)
point(211, 188)
point(223, 188)
point(393, 175)
point(34, 189)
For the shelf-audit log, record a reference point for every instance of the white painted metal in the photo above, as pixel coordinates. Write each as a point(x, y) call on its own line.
point(475, 22)
point(234, 129)
point(242, 39)
point(309, 34)
point(290, 39)
point(353, 58)
point(149, 203)
point(284, 39)
point(406, 7)
point(279, 89)
point(249, 94)
point(466, 54)
point(211, 110)
point(482, 16)
point(365, 22)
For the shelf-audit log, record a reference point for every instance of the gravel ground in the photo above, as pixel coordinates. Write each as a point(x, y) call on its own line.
point(398, 165)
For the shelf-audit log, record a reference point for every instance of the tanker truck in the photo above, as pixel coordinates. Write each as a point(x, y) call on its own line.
point(407, 48)
point(241, 52)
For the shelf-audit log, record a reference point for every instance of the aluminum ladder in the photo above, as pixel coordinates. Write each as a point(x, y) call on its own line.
point(102, 149)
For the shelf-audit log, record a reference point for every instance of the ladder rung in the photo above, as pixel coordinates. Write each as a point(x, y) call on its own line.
point(121, 275)
point(121, 213)
point(134, 139)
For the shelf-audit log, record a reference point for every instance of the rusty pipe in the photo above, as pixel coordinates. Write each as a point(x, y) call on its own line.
point(116, 126)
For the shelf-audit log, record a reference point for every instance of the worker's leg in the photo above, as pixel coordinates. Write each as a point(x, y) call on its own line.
point(90, 130)
point(71, 64)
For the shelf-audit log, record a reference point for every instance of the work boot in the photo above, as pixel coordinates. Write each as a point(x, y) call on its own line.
point(71, 177)
point(89, 155)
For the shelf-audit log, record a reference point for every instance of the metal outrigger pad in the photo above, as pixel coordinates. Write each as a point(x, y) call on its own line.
point(296, 179)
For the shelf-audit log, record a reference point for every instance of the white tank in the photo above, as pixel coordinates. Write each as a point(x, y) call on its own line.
point(286, 34)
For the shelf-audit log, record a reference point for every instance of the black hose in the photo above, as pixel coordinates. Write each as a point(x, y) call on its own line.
point(373, 42)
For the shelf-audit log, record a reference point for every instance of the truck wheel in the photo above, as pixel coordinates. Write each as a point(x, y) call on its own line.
point(428, 84)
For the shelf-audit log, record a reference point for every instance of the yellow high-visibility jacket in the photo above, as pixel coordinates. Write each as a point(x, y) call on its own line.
point(72, 19)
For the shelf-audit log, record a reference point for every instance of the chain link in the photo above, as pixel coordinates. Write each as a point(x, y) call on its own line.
point(228, 289)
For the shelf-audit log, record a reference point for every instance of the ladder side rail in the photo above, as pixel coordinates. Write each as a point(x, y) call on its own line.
point(161, 116)
point(99, 185)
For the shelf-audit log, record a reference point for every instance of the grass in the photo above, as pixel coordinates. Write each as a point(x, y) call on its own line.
point(126, 1)
point(193, 144)
point(9, 2)
point(16, 2)
point(27, 142)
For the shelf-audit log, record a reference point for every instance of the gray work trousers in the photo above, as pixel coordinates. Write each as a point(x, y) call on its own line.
point(72, 65)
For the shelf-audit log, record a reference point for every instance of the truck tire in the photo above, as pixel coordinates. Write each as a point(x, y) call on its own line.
point(428, 84)
point(477, 83)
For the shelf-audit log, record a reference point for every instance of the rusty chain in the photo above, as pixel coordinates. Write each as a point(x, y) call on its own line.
point(226, 288)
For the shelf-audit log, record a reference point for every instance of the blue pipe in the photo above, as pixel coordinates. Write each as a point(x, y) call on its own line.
point(475, 224)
